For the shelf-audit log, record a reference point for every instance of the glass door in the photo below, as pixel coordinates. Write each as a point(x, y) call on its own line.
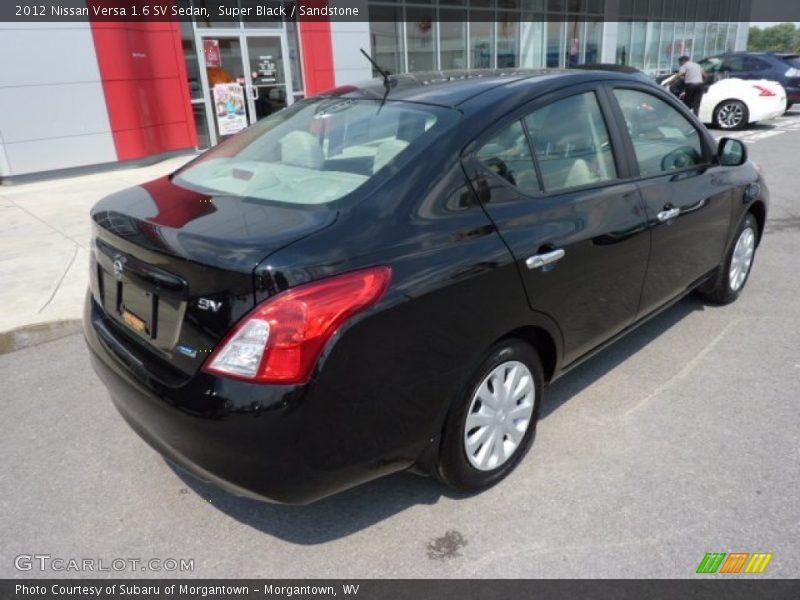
point(244, 79)
point(269, 90)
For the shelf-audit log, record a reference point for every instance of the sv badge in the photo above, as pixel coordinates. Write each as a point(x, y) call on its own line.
point(206, 304)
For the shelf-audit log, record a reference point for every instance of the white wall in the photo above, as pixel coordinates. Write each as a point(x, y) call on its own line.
point(347, 39)
point(52, 107)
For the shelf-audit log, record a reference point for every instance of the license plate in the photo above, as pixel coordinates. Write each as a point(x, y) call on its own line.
point(132, 321)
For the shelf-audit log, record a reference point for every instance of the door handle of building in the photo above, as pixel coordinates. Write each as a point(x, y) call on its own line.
point(539, 260)
point(668, 213)
point(253, 92)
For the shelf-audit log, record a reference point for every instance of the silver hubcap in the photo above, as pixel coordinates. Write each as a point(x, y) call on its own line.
point(730, 116)
point(499, 415)
point(742, 258)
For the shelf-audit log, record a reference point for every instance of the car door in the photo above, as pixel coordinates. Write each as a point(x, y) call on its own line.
point(686, 196)
point(550, 178)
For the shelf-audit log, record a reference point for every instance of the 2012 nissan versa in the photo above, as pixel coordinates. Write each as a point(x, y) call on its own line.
point(387, 276)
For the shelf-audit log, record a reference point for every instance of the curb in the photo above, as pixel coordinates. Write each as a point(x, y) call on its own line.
point(33, 335)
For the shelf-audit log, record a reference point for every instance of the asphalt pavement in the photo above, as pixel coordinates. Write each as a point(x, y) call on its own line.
point(679, 440)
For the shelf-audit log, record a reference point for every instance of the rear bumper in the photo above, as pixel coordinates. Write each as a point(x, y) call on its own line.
point(793, 94)
point(765, 111)
point(256, 441)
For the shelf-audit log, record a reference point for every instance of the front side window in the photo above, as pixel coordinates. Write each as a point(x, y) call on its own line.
point(507, 154)
point(663, 139)
point(571, 143)
point(316, 151)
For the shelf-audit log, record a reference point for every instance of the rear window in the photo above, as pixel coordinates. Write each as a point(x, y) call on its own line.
point(316, 151)
point(792, 61)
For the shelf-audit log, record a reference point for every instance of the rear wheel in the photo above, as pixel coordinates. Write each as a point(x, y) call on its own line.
point(788, 105)
point(731, 115)
point(491, 425)
point(733, 275)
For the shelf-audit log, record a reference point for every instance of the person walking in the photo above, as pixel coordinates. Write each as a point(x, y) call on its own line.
point(694, 82)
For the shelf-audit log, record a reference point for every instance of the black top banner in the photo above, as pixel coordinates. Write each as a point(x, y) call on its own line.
point(228, 12)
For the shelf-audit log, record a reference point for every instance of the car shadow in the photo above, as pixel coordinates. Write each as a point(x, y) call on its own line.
point(328, 519)
point(617, 353)
point(366, 505)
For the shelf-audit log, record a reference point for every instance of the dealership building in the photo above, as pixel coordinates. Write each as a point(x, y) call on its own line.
point(77, 95)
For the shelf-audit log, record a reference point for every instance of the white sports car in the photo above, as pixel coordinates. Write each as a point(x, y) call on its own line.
point(732, 103)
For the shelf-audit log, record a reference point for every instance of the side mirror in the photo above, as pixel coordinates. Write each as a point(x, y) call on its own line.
point(731, 152)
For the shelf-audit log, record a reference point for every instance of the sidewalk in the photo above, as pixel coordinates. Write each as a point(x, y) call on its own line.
point(44, 248)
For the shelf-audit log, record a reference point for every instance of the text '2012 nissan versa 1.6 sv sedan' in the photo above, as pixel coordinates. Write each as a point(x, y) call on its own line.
point(386, 277)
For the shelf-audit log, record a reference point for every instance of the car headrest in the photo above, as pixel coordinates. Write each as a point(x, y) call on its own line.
point(301, 149)
point(386, 152)
point(579, 174)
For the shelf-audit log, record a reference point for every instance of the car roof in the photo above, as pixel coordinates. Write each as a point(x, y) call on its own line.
point(453, 88)
point(763, 53)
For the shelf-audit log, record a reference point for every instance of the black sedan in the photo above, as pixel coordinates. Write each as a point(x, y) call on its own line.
point(387, 277)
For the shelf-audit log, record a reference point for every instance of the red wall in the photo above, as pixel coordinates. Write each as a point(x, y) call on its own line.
point(315, 39)
point(145, 84)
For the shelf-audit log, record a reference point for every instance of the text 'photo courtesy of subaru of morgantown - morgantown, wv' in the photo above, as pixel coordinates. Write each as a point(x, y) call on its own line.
point(387, 277)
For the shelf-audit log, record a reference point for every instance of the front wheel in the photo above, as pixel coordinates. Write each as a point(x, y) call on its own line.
point(731, 115)
point(491, 425)
point(730, 280)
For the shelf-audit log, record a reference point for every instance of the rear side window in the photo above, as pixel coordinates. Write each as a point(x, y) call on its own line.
point(733, 63)
point(508, 155)
point(663, 139)
point(571, 143)
point(755, 64)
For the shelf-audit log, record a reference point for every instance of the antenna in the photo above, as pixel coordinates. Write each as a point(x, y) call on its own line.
point(384, 73)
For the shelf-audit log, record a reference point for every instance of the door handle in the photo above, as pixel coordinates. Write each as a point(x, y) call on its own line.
point(540, 260)
point(668, 213)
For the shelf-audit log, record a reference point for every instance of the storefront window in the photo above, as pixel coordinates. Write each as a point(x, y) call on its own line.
point(638, 33)
point(421, 39)
point(201, 123)
point(575, 40)
point(386, 38)
point(507, 40)
point(665, 48)
point(555, 43)
point(653, 34)
point(481, 41)
point(453, 39)
point(294, 57)
point(532, 38)
point(192, 65)
point(594, 41)
point(623, 44)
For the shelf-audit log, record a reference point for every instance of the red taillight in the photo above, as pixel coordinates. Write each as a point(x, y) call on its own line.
point(764, 91)
point(281, 340)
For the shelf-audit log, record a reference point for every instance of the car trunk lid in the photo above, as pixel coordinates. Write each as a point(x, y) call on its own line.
point(172, 269)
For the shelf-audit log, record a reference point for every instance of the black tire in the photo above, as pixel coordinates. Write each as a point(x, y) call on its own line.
point(732, 105)
point(788, 105)
point(453, 465)
point(719, 290)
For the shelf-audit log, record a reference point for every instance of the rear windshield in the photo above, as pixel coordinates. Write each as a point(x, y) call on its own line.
point(792, 61)
point(316, 151)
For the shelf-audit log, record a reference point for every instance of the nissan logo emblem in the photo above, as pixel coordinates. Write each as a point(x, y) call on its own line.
point(119, 267)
